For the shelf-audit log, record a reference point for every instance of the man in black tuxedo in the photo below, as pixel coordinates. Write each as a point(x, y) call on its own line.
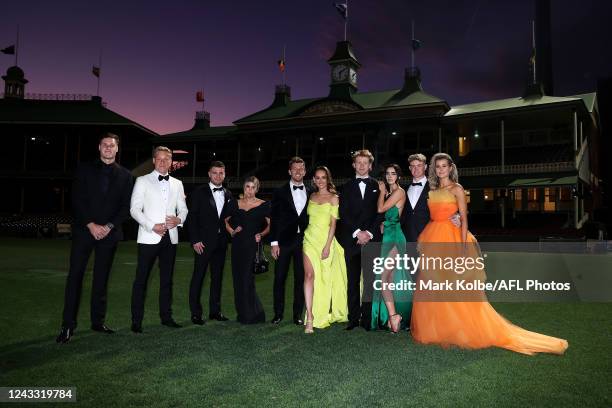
point(416, 212)
point(288, 221)
point(206, 226)
point(359, 224)
point(100, 203)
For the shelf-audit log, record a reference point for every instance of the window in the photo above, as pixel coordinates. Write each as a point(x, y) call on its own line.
point(550, 198)
point(467, 196)
point(533, 203)
point(518, 199)
point(489, 194)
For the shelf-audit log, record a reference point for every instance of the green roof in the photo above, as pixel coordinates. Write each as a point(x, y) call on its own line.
point(367, 100)
point(589, 99)
point(54, 112)
point(545, 181)
point(518, 103)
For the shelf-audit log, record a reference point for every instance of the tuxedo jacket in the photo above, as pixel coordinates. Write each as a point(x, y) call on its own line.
point(415, 219)
point(358, 213)
point(91, 204)
point(284, 219)
point(147, 207)
point(205, 225)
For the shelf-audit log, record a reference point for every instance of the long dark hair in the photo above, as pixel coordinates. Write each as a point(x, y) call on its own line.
point(398, 171)
point(330, 183)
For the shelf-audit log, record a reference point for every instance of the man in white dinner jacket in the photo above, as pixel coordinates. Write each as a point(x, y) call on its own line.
point(158, 205)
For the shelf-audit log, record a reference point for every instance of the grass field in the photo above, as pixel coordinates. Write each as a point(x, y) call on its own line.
point(227, 364)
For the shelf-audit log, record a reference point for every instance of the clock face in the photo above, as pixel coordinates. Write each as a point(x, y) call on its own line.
point(353, 75)
point(340, 73)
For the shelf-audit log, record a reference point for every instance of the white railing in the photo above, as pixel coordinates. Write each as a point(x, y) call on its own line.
point(55, 97)
point(518, 169)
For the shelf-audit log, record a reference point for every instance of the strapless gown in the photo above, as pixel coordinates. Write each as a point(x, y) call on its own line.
point(473, 324)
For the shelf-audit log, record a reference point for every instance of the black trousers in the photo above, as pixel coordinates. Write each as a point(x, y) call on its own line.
point(83, 244)
point(216, 259)
point(281, 270)
point(165, 252)
point(359, 306)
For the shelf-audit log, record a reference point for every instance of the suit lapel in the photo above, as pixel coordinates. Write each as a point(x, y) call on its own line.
point(211, 198)
point(290, 198)
point(424, 194)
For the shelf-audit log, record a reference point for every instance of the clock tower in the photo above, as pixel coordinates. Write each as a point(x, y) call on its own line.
point(344, 68)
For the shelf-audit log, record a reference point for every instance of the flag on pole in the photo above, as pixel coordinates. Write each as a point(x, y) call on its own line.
point(200, 96)
point(342, 8)
point(281, 65)
point(416, 44)
point(10, 50)
point(96, 71)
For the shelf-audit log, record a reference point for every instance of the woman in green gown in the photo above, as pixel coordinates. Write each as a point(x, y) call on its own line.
point(392, 308)
point(325, 279)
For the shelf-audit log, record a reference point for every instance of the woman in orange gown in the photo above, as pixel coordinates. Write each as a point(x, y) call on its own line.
point(467, 324)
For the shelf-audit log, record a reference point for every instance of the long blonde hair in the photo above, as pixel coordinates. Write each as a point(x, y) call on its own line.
point(453, 175)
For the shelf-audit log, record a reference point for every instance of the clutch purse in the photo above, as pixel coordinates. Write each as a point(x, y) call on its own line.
point(261, 264)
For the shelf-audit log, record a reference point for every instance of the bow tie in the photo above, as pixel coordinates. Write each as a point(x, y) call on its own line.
point(215, 189)
point(166, 177)
point(361, 179)
point(418, 184)
point(298, 187)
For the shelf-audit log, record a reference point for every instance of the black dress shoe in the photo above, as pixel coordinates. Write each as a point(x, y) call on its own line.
point(277, 319)
point(64, 335)
point(297, 321)
point(197, 320)
point(171, 323)
point(218, 316)
point(365, 325)
point(351, 325)
point(136, 327)
point(102, 328)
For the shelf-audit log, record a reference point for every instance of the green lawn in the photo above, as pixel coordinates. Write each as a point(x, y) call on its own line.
point(227, 364)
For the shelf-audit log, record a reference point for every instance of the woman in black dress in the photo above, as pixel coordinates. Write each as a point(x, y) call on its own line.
point(248, 223)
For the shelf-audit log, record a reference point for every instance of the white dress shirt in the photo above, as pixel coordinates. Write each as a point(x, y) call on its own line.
point(219, 197)
point(299, 199)
point(164, 187)
point(362, 187)
point(414, 192)
point(299, 196)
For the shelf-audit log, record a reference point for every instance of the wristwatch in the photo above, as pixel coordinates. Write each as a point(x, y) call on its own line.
point(110, 225)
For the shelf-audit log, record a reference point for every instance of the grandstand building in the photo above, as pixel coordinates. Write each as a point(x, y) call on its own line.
point(46, 136)
point(528, 163)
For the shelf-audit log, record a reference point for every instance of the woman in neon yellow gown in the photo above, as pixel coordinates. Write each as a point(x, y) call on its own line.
point(325, 279)
point(467, 324)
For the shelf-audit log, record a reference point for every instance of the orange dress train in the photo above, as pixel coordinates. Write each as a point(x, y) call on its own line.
point(473, 324)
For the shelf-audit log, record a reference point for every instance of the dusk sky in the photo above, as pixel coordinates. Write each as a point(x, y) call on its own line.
point(156, 55)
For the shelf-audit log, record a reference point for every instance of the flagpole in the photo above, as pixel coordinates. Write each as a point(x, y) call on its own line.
point(346, 20)
point(533, 45)
point(17, 46)
point(99, 72)
point(285, 63)
point(412, 45)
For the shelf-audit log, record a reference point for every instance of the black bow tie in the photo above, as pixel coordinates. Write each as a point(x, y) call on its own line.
point(298, 187)
point(417, 184)
point(361, 180)
point(215, 189)
point(166, 177)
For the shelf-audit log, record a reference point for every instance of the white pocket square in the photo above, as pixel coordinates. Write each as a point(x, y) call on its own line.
point(374, 191)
